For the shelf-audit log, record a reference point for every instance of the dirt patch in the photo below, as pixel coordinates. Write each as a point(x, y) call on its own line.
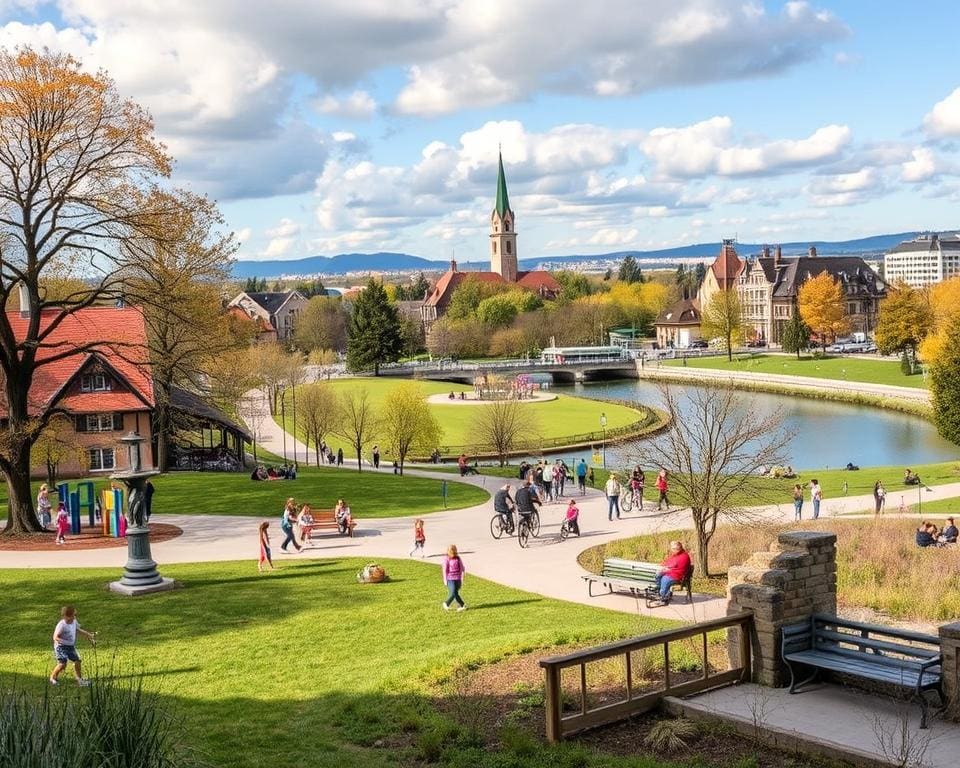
point(89, 538)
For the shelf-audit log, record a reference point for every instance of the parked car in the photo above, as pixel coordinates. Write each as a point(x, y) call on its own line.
point(756, 343)
point(699, 344)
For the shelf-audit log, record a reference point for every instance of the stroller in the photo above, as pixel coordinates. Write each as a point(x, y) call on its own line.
point(570, 525)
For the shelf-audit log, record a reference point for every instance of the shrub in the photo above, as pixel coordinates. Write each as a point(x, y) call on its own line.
point(110, 723)
point(670, 735)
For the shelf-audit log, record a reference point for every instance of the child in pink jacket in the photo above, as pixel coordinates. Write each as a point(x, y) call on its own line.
point(453, 571)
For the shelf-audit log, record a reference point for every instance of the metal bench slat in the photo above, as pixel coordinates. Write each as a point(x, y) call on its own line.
point(861, 668)
point(880, 645)
point(903, 634)
point(872, 658)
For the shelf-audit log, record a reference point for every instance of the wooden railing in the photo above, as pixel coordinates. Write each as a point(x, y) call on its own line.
point(560, 724)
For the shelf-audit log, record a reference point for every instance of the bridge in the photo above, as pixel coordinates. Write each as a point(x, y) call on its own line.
point(465, 372)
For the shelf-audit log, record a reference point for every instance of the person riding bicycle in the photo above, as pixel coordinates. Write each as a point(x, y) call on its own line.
point(503, 505)
point(572, 517)
point(527, 500)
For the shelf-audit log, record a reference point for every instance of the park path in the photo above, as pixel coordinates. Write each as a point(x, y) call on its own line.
point(548, 567)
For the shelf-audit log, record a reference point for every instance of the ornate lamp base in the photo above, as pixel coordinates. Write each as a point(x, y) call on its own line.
point(140, 575)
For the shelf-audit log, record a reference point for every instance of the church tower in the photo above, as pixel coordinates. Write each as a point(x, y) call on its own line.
point(503, 235)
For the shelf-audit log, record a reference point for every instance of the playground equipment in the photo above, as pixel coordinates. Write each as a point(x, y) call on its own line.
point(73, 501)
point(114, 521)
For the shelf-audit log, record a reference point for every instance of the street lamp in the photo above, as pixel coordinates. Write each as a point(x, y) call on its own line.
point(283, 421)
point(603, 426)
point(294, 388)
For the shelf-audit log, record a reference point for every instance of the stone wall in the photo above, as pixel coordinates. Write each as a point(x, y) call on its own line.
point(795, 579)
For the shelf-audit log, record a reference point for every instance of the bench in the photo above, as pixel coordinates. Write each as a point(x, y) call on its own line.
point(633, 577)
point(325, 521)
point(907, 660)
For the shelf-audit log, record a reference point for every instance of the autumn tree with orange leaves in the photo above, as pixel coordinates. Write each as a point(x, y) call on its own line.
point(823, 307)
point(78, 164)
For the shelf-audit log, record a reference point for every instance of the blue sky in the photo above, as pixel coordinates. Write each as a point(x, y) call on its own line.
point(361, 125)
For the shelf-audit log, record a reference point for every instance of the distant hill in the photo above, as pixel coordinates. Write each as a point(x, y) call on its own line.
point(395, 262)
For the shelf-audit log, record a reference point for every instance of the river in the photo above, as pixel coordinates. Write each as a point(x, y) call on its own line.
point(828, 434)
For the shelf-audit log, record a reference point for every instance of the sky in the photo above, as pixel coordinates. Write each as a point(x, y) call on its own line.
point(336, 126)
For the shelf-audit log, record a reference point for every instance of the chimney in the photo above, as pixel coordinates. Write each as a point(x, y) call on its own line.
point(766, 251)
point(777, 256)
point(453, 265)
point(24, 296)
point(813, 252)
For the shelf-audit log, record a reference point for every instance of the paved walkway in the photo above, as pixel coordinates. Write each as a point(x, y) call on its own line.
point(672, 372)
point(836, 721)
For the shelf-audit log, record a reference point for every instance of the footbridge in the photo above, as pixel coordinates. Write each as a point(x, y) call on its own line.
point(566, 372)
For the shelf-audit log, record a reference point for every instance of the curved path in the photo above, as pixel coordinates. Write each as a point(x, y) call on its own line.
point(548, 567)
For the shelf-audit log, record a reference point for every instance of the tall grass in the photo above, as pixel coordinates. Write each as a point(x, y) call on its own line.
point(879, 566)
point(113, 723)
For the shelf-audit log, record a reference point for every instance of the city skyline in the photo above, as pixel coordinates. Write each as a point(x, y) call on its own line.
point(358, 127)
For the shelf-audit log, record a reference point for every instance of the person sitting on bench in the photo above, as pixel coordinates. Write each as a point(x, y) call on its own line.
point(949, 533)
point(672, 570)
point(343, 516)
point(911, 478)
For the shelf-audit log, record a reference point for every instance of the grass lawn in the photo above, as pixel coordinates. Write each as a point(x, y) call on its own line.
point(370, 494)
point(557, 418)
point(878, 564)
point(304, 667)
point(842, 368)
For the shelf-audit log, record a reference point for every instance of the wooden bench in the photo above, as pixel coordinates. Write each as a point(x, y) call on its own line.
point(325, 521)
point(633, 577)
point(908, 660)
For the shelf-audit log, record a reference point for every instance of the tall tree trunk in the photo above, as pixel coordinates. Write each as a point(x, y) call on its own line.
point(359, 460)
point(703, 542)
point(21, 517)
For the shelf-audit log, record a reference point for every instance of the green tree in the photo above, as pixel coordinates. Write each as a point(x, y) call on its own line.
point(322, 325)
point(319, 412)
point(408, 423)
point(573, 285)
point(411, 331)
point(374, 336)
point(905, 320)
point(795, 336)
point(524, 301)
point(356, 420)
point(311, 288)
point(630, 271)
point(723, 318)
point(414, 291)
point(823, 308)
point(945, 386)
point(467, 297)
point(497, 311)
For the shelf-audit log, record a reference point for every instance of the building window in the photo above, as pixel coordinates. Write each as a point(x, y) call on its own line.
point(94, 382)
point(506, 226)
point(100, 422)
point(494, 246)
point(101, 459)
point(509, 247)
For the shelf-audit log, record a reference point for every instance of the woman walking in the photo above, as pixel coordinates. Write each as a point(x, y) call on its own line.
point(453, 571)
point(879, 498)
point(44, 506)
point(287, 521)
point(662, 488)
point(797, 502)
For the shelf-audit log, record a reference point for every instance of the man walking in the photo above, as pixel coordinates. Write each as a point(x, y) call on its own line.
point(582, 477)
point(376, 457)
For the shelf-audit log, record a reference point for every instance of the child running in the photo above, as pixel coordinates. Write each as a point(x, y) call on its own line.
point(265, 555)
point(63, 524)
point(453, 571)
point(419, 537)
point(65, 645)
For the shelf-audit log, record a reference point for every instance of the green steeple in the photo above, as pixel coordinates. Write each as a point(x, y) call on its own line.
point(503, 202)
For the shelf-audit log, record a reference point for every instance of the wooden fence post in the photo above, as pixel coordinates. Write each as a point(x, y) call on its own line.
point(553, 704)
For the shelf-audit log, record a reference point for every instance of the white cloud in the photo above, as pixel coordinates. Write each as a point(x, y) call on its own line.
point(921, 167)
point(286, 228)
point(846, 188)
point(358, 105)
point(614, 237)
point(709, 147)
point(242, 235)
point(944, 119)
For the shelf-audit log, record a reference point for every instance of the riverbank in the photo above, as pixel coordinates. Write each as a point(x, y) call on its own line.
point(913, 401)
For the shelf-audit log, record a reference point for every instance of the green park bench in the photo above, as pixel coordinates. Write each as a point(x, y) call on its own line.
point(910, 661)
point(634, 577)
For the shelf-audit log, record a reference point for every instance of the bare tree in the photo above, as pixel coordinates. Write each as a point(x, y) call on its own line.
point(502, 425)
point(77, 165)
point(357, 421)
point(248, 408)
point(713, 453)
point(320, 412)
point(272, 365)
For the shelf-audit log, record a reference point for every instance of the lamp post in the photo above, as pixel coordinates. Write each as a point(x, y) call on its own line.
point(293, 384)
point(140, 574)
point(603, 426)
point(283, 420)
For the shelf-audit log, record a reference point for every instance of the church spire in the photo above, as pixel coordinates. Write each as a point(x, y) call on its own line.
point(503, 202)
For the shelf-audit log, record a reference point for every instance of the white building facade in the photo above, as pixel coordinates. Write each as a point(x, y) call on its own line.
point(923, 261)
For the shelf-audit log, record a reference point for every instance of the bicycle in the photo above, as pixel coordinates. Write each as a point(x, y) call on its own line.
point(565, 530)
point(528, 526)
point(499, 527)
point(629, 498)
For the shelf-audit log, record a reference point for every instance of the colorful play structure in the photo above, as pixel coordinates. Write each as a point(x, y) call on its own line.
point(84, 497)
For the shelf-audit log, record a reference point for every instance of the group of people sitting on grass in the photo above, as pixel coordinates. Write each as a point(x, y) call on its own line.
point(929, 536)
point(283, 472)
